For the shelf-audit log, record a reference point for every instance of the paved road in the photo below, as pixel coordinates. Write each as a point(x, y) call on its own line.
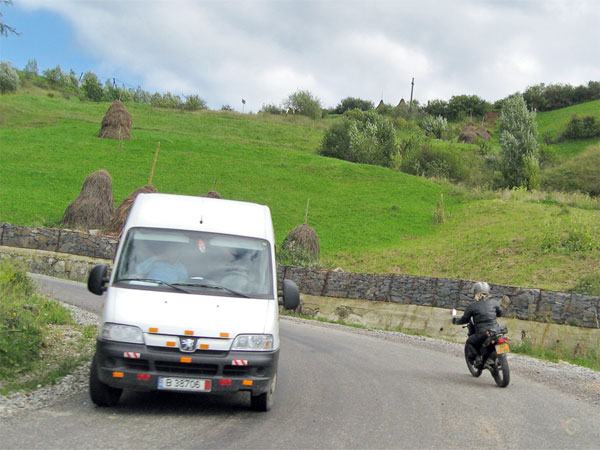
point(337, 389)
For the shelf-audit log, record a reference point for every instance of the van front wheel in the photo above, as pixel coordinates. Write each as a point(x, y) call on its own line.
point(100, 393)
point(264, 401)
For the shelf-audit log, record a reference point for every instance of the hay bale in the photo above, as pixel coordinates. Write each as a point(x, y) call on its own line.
point(468, 134)
point(122, 212)
point(212, 194)
point(94, 207)
point(302, 243)
point(483, 133)
point(116, 123)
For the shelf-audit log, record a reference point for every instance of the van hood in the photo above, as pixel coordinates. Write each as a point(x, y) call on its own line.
point(174, 313)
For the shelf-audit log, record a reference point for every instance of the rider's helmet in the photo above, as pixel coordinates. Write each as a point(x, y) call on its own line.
point(481, 287)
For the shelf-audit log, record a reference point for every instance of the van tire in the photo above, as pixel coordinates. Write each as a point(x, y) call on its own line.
point(100, 393)
point(264, 402)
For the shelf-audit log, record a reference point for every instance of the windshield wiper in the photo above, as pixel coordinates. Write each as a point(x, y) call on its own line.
point(152, 280)
point(214, 286)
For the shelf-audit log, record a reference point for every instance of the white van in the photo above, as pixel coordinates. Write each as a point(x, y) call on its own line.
point(191, 304)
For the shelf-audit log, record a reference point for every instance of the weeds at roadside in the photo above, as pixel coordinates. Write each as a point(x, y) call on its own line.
point(35, 334)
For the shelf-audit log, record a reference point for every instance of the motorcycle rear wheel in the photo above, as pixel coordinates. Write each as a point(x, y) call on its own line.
point(474, 371)
point(501, 372)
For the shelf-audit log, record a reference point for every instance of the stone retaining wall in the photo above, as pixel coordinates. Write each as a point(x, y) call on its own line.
point(520, 303)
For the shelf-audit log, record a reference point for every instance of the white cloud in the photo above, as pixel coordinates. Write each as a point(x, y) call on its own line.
point(264, 50)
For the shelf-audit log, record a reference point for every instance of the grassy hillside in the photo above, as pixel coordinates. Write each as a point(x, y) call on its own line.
point(49, 146)
point(368, 218)
point(554, 123)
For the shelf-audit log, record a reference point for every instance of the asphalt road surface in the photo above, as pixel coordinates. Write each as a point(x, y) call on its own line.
point(336, 389)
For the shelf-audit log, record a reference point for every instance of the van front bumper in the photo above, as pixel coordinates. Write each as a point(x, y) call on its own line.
point(139, 367)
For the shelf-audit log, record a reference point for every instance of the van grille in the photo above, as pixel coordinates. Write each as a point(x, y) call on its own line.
point(186, 369)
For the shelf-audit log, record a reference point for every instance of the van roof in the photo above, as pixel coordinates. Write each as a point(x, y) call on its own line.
point(183, 212)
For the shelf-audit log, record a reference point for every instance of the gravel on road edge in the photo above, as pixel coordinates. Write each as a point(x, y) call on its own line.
point(578, 381)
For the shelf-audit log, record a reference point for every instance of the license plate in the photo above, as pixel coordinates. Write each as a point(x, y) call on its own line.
point(502, 348)
point(183, 384)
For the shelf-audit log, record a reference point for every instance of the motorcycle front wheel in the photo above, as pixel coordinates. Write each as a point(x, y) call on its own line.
point(474, 371)
point(501, 372)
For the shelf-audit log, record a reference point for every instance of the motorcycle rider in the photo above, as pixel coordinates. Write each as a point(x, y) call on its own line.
point(482, 315)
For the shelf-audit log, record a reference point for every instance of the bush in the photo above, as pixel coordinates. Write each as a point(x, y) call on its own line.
point(271, 109)
point(362, 137)
point(440, 162)
point(303, 103)
point(436, 108)
point(581, 128)
point(434, 126)
point(350, 103)
point(9, 79)
point(461, 106)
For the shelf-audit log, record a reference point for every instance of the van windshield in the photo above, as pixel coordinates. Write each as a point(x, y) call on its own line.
point(196, 262)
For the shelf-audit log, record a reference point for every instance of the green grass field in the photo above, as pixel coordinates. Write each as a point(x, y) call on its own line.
point(369, 219)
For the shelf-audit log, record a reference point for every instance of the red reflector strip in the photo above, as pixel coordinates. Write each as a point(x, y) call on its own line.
point(143, 376)
point(225, 382)
point(133, 355)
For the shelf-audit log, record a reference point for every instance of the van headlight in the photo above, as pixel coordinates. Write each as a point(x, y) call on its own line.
point(121, 333)
point(253, 342)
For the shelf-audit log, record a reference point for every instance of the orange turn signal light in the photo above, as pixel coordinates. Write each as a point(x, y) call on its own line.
point(185, 359)
point(188, 332)
point(247, 382)
point(118, 374)
point(153, 330)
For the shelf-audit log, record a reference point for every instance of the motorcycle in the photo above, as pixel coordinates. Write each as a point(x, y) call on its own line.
point(492, 354)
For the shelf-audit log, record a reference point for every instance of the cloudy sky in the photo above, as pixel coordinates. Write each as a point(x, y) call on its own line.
point(226, 50)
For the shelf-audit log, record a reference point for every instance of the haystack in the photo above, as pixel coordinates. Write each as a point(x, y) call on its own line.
point(468, 134)
point(122, 212)
point(93, 208)
point(302, 243)
point(483, 133)
point(401, 103)
point(212, 194)
point(116, 123)
point(380, 106)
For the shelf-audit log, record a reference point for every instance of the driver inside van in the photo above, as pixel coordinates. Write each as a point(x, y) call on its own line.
point(164, 265)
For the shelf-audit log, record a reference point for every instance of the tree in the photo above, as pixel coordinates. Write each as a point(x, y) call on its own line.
point(91, 87)
point(31, 68)
point(5, 29)
point(303, 103)
point(9, 79)
point(518, 141)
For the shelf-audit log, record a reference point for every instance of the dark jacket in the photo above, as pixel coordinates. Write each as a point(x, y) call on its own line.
point(484, 313)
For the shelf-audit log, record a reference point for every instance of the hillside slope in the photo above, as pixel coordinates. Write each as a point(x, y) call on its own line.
point(369, 219)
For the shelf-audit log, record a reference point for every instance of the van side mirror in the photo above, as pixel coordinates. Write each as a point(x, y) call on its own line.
point(291, 295)
point(98, 279)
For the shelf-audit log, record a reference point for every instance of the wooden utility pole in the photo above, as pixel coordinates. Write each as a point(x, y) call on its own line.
point(412, 86)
